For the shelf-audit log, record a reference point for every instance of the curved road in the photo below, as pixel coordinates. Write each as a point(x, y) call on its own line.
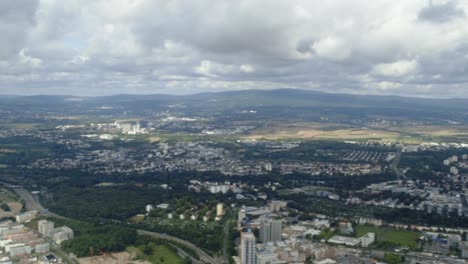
point(33, 204)
point(394, 166)
point(202, 254)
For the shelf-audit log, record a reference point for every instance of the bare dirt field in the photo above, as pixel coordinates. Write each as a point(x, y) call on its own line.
point(9, 199)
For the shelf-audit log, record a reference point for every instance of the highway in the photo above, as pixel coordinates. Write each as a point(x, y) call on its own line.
point(395, 168)
point(33, 204)
point(204, 257)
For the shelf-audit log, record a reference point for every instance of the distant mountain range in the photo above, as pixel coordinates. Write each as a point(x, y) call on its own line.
point(279, 99)
point(278, 96)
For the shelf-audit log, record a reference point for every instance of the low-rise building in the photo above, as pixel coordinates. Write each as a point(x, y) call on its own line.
point(26, 216)
point(20, 250)
point(367, 239)
point(42, 248)
point(342, 240)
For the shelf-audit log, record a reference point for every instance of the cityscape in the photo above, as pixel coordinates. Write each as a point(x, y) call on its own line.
point(234, 132)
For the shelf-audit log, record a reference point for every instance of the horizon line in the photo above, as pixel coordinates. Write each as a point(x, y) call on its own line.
point(233, 90)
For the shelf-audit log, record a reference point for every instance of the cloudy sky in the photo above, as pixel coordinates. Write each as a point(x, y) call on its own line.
point(100, 47)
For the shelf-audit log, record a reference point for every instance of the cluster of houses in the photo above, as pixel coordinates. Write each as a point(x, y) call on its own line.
point(21, 243)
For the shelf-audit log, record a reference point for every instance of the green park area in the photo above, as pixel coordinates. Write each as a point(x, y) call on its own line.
point(390, 235)
point(156, 253)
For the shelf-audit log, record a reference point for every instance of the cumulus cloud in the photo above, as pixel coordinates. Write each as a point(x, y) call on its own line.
point(441, 12)
point(94, 47)
point(396, 69)
point(332, 48)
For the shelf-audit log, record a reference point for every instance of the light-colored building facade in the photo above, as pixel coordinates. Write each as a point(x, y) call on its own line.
point(20, 250)
point(247, 250)
point(46, 227)
point(270, 231)
point(26, 216)
point(62, 233)
point(219, 209)
point(367, 239)
point(42, 248)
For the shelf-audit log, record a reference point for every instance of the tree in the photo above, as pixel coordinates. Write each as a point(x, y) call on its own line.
point(148, 249)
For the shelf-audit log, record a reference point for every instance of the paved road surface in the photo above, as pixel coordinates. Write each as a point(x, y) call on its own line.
point(31, 202)
point(395, 168)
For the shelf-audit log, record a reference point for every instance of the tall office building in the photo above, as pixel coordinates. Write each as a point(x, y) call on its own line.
point(270, 231)
point(264, 232)
point(46, 227)
point(247, 250)
point(275, 230)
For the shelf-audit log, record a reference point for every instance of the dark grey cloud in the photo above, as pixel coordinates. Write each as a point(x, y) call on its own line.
point(441, 12)
point(16, 18)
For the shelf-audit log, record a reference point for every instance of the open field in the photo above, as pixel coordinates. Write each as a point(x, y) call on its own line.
point(405, 134)
point(435, 133)
point(139, 218)
point(320, 131)
point(153, 139)
point(9, 204)
point(402, 237)
point(20, 125)
point(7, 196)
point(175, 137)
point(160, 254)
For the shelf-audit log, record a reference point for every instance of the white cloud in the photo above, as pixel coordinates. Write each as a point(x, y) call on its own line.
point(396, 69)
point(332, 48)
point(246, 68)
point(384, 85)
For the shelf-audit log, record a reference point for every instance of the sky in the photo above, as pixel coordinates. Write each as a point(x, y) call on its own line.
point(101, 47)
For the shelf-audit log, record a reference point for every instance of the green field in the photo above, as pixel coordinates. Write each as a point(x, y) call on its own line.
point(7, 196)
point(159, 254)
point(401, 237)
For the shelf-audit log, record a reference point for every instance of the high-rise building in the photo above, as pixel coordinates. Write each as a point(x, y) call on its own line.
point(270, 231)
point(264, 232)
point(45, 227)
point(247, 250)
point(276, 230)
